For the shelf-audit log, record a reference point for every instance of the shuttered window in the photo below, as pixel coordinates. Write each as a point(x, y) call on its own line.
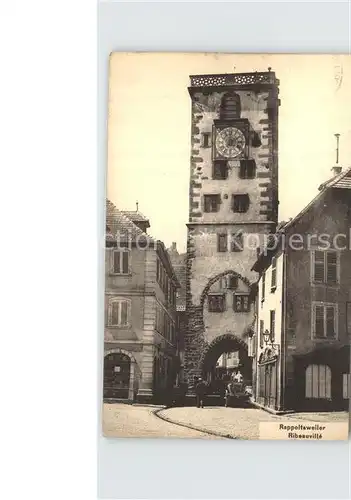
point(325, 266)
point(318, 382)
point(263, 281)
point(261, 333)
point(324, 318)
point(274, 274)
point(272, 325)
point(119, 312)
point(120, 262)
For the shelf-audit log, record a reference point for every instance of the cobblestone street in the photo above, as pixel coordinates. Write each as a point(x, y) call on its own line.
point(241, 423)
point(121, 420)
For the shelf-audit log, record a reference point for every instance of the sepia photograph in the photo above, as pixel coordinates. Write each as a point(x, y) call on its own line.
point(227, 247)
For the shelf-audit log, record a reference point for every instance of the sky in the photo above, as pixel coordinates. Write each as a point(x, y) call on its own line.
point(149, 129)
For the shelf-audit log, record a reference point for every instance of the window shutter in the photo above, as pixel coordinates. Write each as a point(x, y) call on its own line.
point(124, 313)
point(261, 333)
point(116, 262)
point(125, 262)
point(114, 313)
point(263, 286)
point(274, 273)
point(331, 267)
point(318, 266)
point(272, 325)
point(319, 321)
point(330, 316)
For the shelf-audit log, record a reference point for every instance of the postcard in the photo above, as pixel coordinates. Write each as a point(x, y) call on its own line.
point(228, 247)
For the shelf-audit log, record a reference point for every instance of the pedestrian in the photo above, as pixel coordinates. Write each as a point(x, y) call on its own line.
point(200, 391)
point(230, 392)
point(238, 377)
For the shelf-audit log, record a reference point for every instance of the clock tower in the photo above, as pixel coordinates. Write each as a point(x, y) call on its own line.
point(233, 206)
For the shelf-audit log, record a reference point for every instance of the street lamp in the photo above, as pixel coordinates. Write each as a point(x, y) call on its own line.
point(267, 336)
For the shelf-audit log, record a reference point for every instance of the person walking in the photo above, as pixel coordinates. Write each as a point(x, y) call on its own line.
point(200, 391)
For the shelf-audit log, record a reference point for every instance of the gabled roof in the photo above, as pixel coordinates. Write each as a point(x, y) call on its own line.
point(135, 216)
point(342, 180)
point(119, 224)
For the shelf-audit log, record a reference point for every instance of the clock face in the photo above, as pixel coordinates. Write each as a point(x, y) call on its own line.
point(230, 142)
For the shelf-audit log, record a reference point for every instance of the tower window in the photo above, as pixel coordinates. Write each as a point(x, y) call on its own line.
point(216, 303)
point(220, 170)
point(247, 169)
point(222, 242)
point(237, 242)
point(241, 203)
point(241, 303)
point(206, 140)
point(232, 282)
point(212, 202)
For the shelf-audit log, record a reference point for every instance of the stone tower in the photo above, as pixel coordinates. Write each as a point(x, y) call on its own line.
point(233, 204)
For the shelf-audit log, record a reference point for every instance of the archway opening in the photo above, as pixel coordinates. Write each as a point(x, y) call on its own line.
point(116, 375)
point(218, 350)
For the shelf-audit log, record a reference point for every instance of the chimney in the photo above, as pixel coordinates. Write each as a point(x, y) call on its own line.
point(174, 246)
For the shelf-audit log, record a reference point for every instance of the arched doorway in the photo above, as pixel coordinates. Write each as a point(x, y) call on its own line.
point(225, 344)
point(118, 375)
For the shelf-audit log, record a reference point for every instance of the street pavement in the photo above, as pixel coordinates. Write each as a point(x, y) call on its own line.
point(240, 423)
point(121, 420)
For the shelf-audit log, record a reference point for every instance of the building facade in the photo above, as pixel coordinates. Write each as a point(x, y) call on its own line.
point(179, 265)
point(233, 196)
point(304, 306)
point(140, 340)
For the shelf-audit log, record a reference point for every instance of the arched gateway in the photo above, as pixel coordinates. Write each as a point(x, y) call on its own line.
point(223, 344)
